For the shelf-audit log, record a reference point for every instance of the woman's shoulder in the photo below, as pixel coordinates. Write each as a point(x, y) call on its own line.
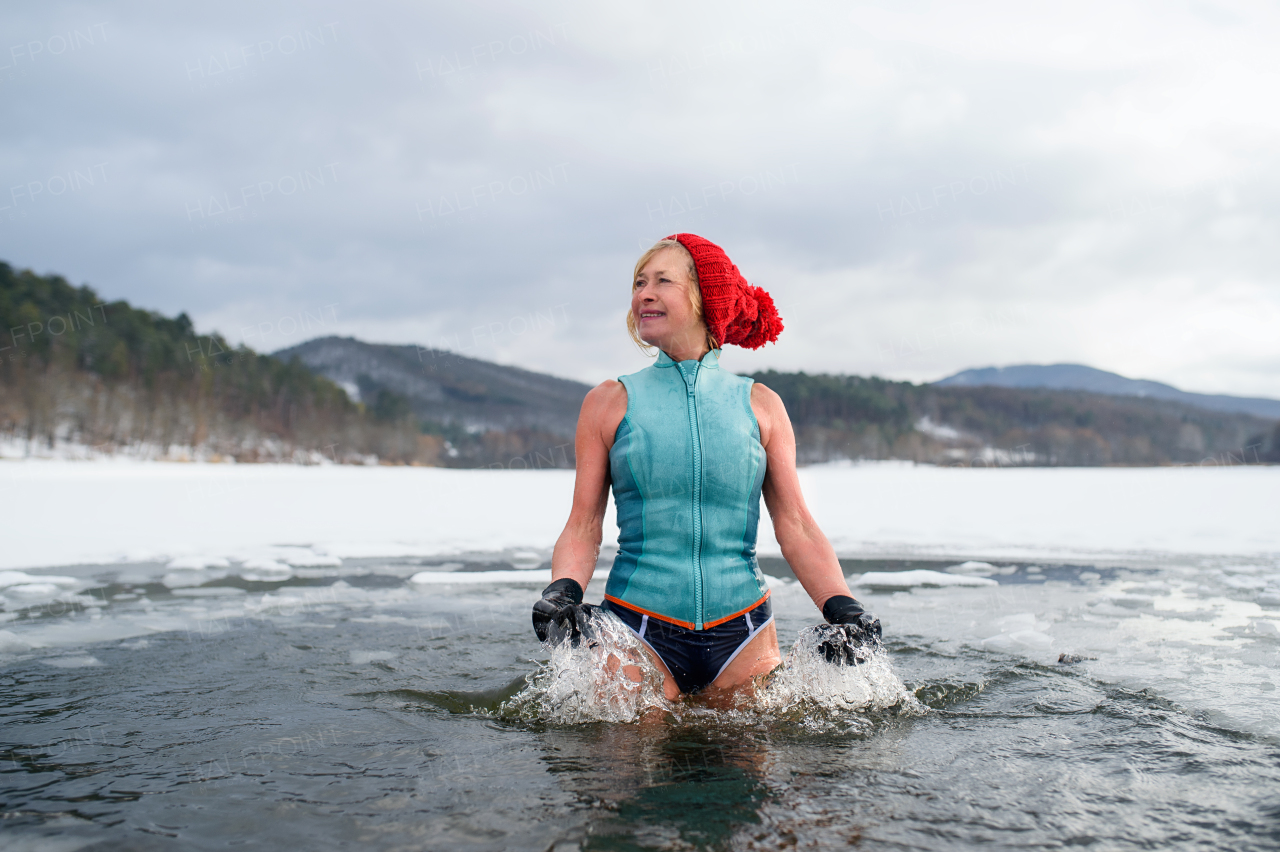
point(606, 405)
point(610, 390)
point(765, 395)
point(768, 409)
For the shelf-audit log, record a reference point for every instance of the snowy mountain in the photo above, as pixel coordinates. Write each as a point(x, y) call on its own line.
point(1080, 377)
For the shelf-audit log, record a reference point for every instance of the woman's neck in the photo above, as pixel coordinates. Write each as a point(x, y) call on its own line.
point(690, 345)
point(687, 354)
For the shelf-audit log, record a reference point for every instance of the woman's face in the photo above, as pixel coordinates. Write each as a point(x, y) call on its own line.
point(660, 303)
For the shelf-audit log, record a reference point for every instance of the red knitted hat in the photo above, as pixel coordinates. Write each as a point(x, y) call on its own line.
point(735, 311)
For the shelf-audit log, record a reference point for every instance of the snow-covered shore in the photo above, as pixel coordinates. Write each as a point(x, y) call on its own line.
point(59, 513)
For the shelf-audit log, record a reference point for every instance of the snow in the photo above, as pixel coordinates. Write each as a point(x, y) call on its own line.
point(202, 517)
point(197, 563)
point(1038, 513)
point(937, 430)
point(976, 569)
point(298, 515)
point(14, 580)
point(11, 643)
point(185, 578)
point(428, 578)
point(916, 578)
point(33, 590)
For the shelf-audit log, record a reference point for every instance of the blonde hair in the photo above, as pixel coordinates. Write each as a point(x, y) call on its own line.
point(695, 294)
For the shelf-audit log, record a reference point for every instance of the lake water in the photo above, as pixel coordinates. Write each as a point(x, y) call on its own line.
point(401, 702)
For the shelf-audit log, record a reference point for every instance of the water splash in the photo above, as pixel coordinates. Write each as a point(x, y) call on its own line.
point(610, 677)
point(821, 696)
point(607, 677)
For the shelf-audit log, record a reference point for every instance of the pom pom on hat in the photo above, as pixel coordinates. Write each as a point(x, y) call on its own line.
point(735, 312)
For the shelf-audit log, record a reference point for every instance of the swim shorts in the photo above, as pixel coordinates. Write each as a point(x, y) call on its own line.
point(695, 658)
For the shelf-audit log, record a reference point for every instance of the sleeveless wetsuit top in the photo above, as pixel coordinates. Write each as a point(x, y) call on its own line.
point(686, 467)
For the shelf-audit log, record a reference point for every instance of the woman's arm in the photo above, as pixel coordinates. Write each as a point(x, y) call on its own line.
point(805, 548)
point(578, 547)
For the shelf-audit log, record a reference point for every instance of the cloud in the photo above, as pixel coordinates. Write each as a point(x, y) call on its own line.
point(924, 187)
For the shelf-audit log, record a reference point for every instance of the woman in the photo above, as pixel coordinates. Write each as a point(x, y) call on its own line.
point(689, 449)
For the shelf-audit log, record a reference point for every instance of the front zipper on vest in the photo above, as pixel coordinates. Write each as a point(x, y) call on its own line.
point(691, 404)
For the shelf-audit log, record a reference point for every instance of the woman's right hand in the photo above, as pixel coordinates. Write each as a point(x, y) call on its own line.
point(556, 607)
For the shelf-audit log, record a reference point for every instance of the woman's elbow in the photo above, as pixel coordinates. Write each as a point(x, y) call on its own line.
point(588, 529)
point(795, 530)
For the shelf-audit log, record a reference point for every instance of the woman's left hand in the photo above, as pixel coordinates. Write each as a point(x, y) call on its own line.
point(851, 633)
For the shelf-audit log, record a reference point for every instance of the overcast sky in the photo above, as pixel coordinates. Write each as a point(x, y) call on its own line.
point(923, 187)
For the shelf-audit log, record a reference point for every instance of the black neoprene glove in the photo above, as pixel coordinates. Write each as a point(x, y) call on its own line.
point(557, 609)
point(852, 634)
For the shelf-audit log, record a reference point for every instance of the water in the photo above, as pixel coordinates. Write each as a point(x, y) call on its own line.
point(347, 706)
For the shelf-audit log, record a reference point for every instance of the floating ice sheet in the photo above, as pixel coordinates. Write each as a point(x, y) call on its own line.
point(918, 578)
point(435, 578)
point(12, 579)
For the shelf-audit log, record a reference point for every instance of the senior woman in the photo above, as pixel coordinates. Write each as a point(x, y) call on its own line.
point(689, 448)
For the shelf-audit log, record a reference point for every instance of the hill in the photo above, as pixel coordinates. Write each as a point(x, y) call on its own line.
point(1080, 377)
point(855, 417)
point(489, 414)
point(497, 415)
point(76, 368)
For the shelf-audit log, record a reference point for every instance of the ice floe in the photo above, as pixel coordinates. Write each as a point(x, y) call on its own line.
point(190, 577)
point(428, 578)
point(17, 579)
point(75, 661)
point(197, 563)
point(973, 569)
point(917, 578)
point(11, 643)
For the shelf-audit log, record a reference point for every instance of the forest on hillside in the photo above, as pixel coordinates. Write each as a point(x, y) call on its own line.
point(77, 369)
point(869, 418)
point(484, 414)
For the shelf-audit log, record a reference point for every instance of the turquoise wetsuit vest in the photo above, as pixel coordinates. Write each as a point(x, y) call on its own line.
point(686, 467)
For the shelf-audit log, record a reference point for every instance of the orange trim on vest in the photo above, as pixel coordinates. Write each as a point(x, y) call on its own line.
point(739, 612)
point(686, 624)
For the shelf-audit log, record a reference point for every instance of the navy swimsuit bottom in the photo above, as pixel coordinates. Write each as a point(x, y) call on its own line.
point(695, 658)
